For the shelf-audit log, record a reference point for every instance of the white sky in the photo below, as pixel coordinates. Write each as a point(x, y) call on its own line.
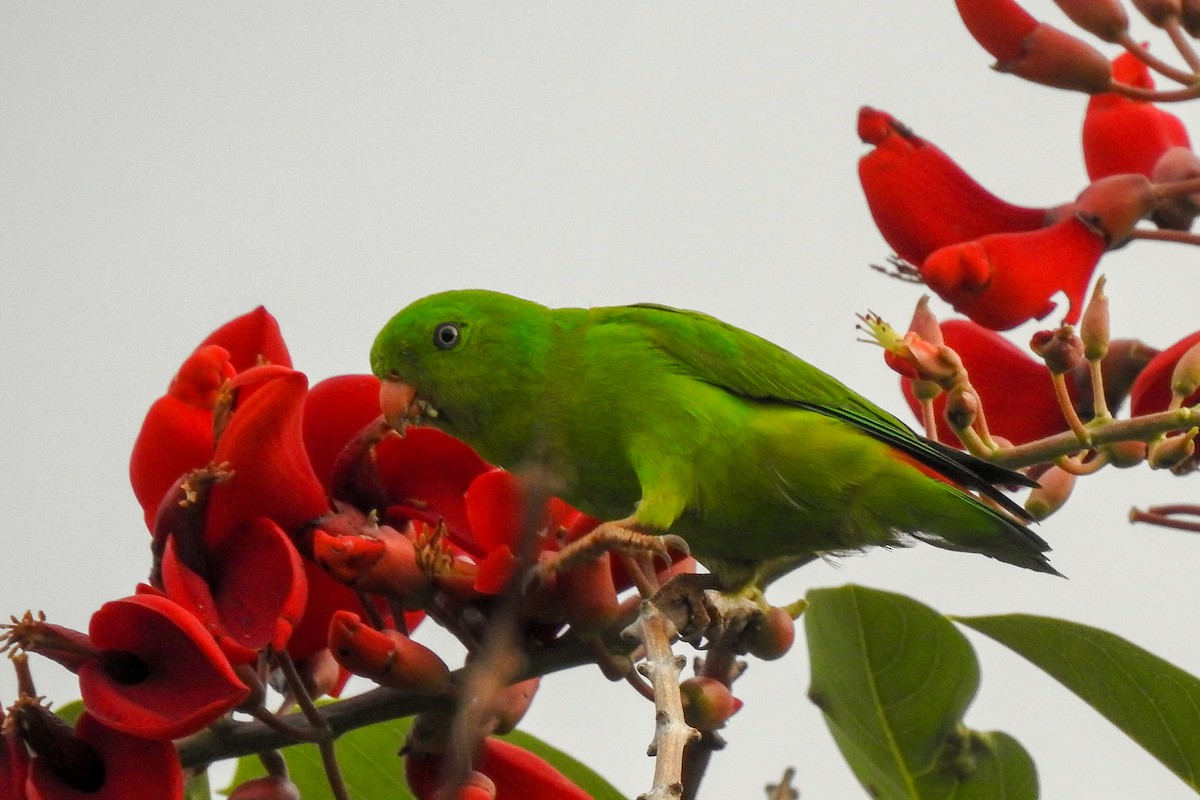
point(166, 167)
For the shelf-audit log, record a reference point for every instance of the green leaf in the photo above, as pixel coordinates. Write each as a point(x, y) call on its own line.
point(373, 770)
point(1153, 701)
point(893, 678)
point(368, 758)
point(69, 712)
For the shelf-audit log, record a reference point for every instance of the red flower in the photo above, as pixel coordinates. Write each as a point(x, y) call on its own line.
point(1017, 395)
point(1151, 390)
point(517, 774)
point(157, 673)
point(252, 339)
point(14, 762)
point(252, 591)
point(1123, 135)
point(1004, 279)
point(387, 657)
point(920, 199)
point(97, 762)
point(425, 474)
point(263, 444)
point(334, 411)
point(177, 434)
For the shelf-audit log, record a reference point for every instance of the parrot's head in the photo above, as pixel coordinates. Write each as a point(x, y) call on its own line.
point(469, 362)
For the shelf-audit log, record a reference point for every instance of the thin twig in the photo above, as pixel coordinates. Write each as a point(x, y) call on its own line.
point(333, 772)
point(1154, 62)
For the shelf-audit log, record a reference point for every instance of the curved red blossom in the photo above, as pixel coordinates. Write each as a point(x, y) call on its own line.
point(252, 339)
point(425, 473)
point(1151, 390)
point(387, 657)
point(162, 675)
point(254, 593)
point(1015, 389)
point(517, 773)
point(14, 762)
point(1004, 279)
point(920, 199)
point(126, 768)
point(177, 434)
point(335, 410)
point(263, 445)
point(1123, 135)
point(1034, 50)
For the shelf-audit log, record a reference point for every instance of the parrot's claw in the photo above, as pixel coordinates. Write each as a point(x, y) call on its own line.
point(698, 607)
point(611, 537)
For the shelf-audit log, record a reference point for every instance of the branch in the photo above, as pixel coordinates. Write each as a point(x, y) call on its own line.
point(1137, 429)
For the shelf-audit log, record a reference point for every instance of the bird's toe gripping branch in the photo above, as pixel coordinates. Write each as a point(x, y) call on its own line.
point(634, 547)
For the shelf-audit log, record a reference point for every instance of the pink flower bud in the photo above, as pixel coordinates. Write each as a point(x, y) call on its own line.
point(1176, 211)
point(1061, 349)
point(270, 787)
point(1158, 12)
point(1055, 485)
point(707, 703)
point(1104, 19)
point(1057, 59)
point(1113, 206)
point(1093, 328)
point(771, 636)
point(1185, 378)
point(1173, 451)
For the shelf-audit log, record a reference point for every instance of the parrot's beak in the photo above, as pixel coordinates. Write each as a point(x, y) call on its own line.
point(399, 404)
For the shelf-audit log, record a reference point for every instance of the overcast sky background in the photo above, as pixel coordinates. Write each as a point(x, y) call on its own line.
point(166, 167)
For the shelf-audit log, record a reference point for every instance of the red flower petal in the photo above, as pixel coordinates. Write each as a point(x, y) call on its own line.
point(920, 199)
point(177, 434)
point(177, 681)
point(1004, 279)
point(517, 773)
point(428, 469)
point(1122, 135)
point(264, 447)
point(335, 410)
point(255, 593)
point(252, 339)
point(325, 598)
point(1015, 389)
point(131, 766)
point(1151, 391)
point(495, 511)
point(1000, 26)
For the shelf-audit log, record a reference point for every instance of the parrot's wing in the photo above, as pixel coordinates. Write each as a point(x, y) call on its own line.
point(744, 364)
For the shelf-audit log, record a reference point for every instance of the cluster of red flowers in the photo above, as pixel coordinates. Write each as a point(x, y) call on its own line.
point(289, 523)
point(1000, 264)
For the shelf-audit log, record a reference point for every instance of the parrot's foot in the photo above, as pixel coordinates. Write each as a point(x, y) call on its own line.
point(615, 537)
point(699, 609)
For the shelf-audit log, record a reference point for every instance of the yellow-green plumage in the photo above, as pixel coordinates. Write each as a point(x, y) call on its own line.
point(693, 426)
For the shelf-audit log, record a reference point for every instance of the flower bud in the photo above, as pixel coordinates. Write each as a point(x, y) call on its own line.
point(1055, 485)
point(1123, 455)
point(1057, 59)
point(1158, 12)
point(1094, 326)
point(1104, 19)
point(270, 787)
point(379, 560)
point(962, 407)
point(772, 635)
point(510, 704)
point(387, 657)
point(707, 703)
point(1061, 349)
point(1113, 206)
point(1185, 378)
point(1176, 211)
point(1173, 451)
point(1191, 17)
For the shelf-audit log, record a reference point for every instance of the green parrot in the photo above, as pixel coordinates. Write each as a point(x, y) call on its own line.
point(672, 421)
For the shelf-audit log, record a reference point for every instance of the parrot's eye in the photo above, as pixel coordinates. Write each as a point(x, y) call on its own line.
point(446, 336)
